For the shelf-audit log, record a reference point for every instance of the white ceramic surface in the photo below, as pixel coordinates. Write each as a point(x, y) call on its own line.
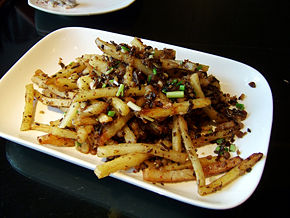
point(69, 43)
point(85, 7)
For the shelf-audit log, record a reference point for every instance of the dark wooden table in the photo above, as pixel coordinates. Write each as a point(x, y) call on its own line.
point(253, 32)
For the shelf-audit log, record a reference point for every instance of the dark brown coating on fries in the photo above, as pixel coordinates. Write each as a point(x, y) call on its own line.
point(181, 175)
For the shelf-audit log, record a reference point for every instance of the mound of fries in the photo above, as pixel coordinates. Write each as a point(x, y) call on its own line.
point(137, 106)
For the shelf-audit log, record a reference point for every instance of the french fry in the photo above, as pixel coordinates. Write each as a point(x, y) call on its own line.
point(129, 135)
point(128, 77)
point(120, 106)
point(212, 168)
point(111, 130)
point(210, 111)
point(56, 102)
point(191, 152)
point(71, 113)
point(39, 78)
point(183, 65)
point(209, 163)
point(61, 93)
point(82, 147)
point(176, 108)
point(127, 148)
point(183, 172)
point(172, 176)
point(164, 54)
point(104, 118)
point(176, 136)
point(66, 133)
point(111, 50)
point(230, 176)
point(107, 92)
point(66, 84)
point(194, 82)
point(27, 116)
point(56, 140)
point(98, 63)
point(82, 120)
point(138, 43)
point(55, 122)
point(83, 132)
point(67, 71)
point(95, 108)
point(120, 163)
point(84, 82)
point(209, 138)
point(165, 143)
point(41, 127)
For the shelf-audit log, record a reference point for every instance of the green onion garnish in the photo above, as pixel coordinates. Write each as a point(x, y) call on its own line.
point(125, 48)
point(111, 113)
point(164, 91)
point(104, 85)
point(154, 71)
point(149, 78)
point(218, 148)
point(199, 67)
point(179, 83)
point(111, 81)
point(120, 90)
point(240, 106)
point(232, 148)
point(78, 144)
point(175, 94)
point(174, 81)
point(219, 141)
point(109, 71)
point(182, 87)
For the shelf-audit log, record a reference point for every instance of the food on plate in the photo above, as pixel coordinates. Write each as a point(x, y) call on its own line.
point(139, 107)
point(67, 4)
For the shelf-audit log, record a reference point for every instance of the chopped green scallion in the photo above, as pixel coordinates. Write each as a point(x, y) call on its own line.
point(149, 78)
point(109, 71)
point(125, 48)
point(104, 85)
point(175, 94)
point(154, 71)
point(78, 144)
point(164, 91)
point(240, 106)
point(218, 148)
point(232, 148)
point(120, 90)
point(179, 83)
point(111, 113)
point(199, 67)
point(182, 87)
point(219, 141)
point(174, 81)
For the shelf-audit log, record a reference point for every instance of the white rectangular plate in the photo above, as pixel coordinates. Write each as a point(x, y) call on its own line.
point(69, 43)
